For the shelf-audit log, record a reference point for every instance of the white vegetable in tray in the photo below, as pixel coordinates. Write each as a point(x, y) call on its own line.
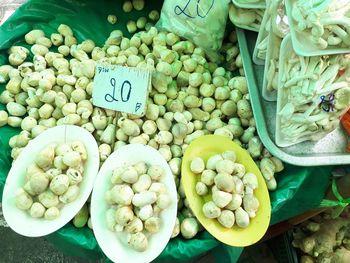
point(176, 230)
point(225, 166)
point(250, 204)
point(33, 35)
point(250, 180)
point(246, 18)
point(45, 157)
point(110, 219)
point(158, 188)
point(324, 23)
point(201, 188)
point(267, 168)
point(141, 197)
point(143, 183)
point(307, 106)
point(70, 195)
point(14, 121)
point(271, 184)
point(239, 170)
point(112, 19)
point(135, 226)
point(51, 173)
point(122, 194)
point(189, 228)
point(129, 175)
point(144, 198)
point(58, 162)
point(211, 210)
point(49, 181)
point(255, 147)
point(221, 198)
point(279, 29)
point(39, 182)
point(48, 199)
point(72, 159)
point(23, 200)
point(154, 15)
point(145, 212)
point(155, 172)
point(124, 215)
point(239, 187)
point(235, 203)
point(207, 177)
point(227, 218)
point(232, 191)
point(17, 55)
point(152, 224)
point(37, 210)
point(141, 168)
point(59, 184)
point(274, 22)
point(138, 242)
point(32, 169)
point(52, 213)
point(211, 163)
point(224, 182)
point(197, 165)
point(163, 201)
point(242, 217)
point(138, 4)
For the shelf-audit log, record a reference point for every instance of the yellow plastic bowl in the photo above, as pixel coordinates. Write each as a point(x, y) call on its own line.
point(205, 147)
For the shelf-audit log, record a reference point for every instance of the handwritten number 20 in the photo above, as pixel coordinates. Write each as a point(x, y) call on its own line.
point(178, 10)
point(126, 85)
point(125, 91)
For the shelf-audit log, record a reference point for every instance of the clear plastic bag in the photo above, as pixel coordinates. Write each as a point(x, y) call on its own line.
point(201, 21)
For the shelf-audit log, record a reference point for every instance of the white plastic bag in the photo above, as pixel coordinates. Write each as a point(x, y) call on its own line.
point(201, 21)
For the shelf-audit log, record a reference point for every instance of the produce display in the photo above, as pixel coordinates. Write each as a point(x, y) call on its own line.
point(137, 198)
point(314, 93)
point(324, 23)
point(190, 97)
point(198, 86)
point(53, 180)
point(231, 189)
point(246, 18)
point(324, 239)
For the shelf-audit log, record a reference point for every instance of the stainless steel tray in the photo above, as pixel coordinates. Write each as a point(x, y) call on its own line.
point(330, 150)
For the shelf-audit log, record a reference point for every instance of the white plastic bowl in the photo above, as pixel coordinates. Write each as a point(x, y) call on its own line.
point(114, 244)
point(20, 221)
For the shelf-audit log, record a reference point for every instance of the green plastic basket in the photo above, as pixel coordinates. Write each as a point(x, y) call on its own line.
point(282, 248)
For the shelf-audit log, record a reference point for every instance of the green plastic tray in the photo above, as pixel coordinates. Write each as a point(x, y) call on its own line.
point(330, 150)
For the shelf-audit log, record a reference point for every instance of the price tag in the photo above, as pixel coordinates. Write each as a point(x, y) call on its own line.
point(121, 88)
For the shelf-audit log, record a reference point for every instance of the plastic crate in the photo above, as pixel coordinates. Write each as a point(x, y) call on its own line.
point(282, 248)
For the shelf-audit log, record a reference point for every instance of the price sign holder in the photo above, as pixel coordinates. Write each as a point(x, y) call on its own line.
point(121, 88)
